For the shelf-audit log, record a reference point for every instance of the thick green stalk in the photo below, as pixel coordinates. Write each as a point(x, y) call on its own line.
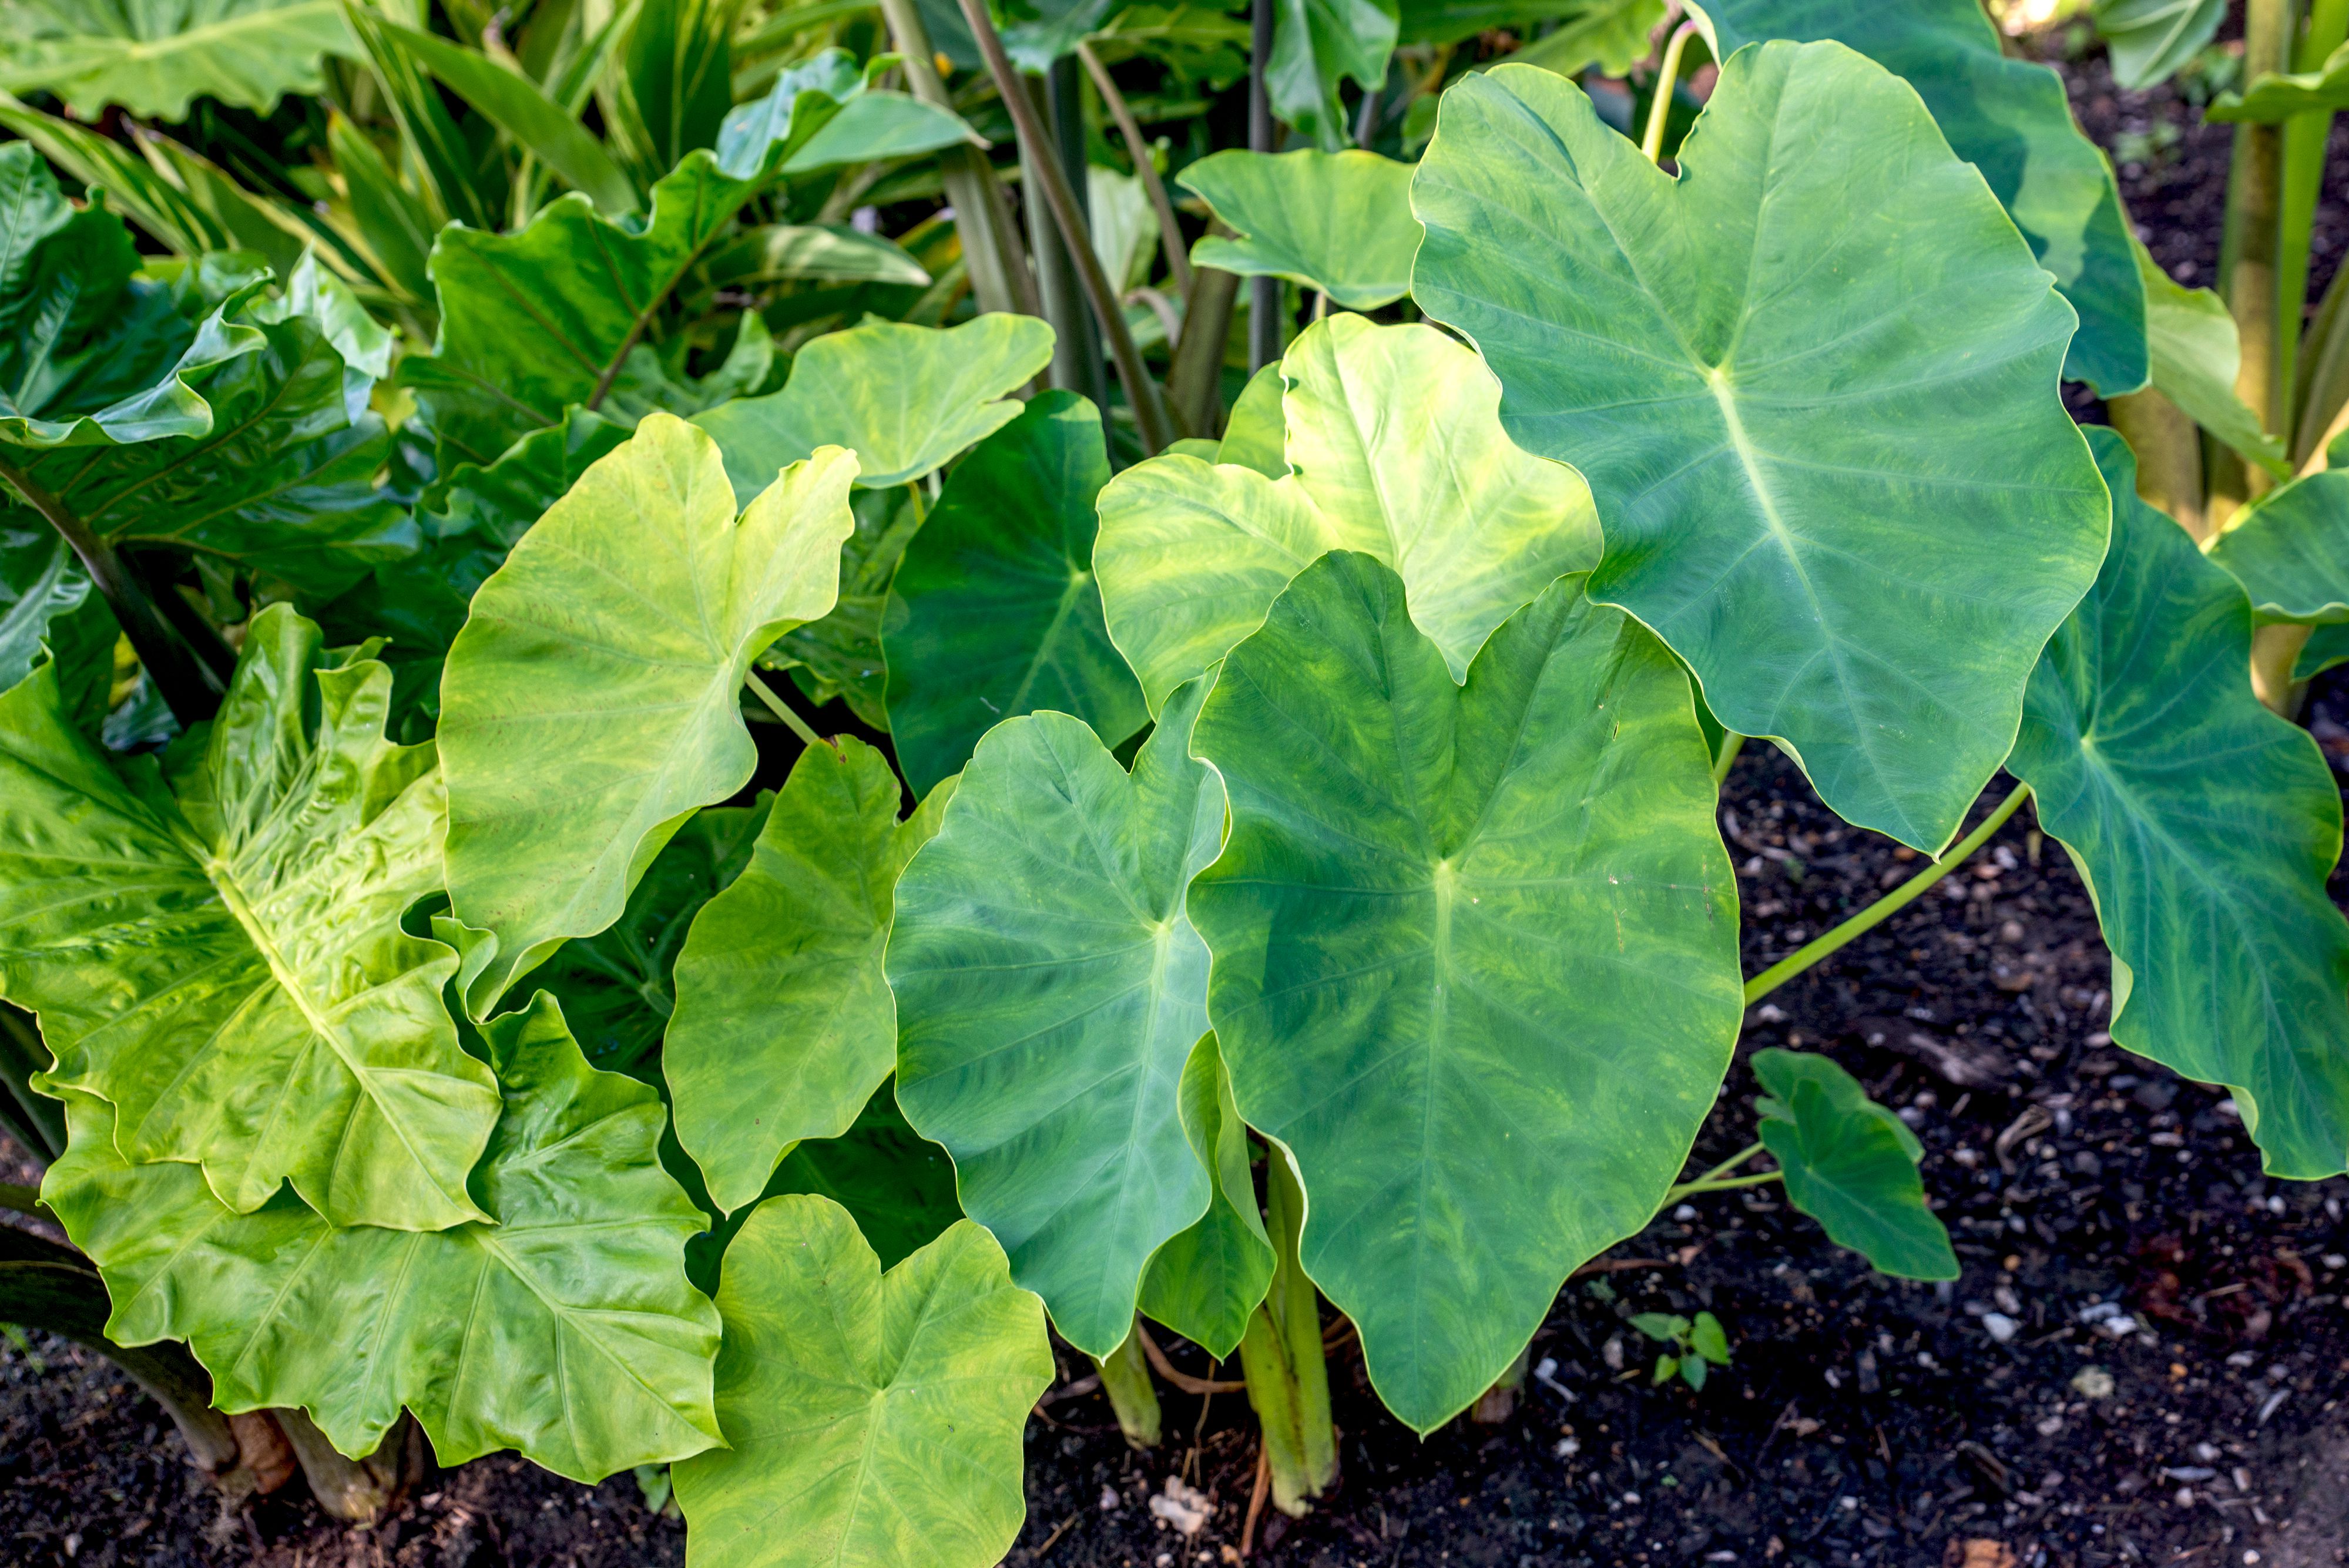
point(1731, 743)
point(994, 271)
point(1140, 392)
point(1884, 908)
point(783, 710)
point(1076, 345)
point(189, 687)
point(1195, 381)
point(2169, 448)
point(1125, 1379)
point(1288, 1376)
point(2250, 279)
point(2305, 138)
point(1660, 103)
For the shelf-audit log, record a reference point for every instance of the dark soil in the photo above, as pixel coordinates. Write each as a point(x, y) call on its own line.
point(2170, 1387)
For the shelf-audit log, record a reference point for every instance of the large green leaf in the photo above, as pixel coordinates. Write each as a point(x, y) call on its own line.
point(784, 1021)
point(1336, 221)
point(1049, 988)
point(840, 656)
point(995, 613)
point(151, 56)
point(903, 398)
point(2012, 120)
point(2197, 354)
point(2290, 550)
point(591, 702)
point(871, 1419)
point(215, 947)
point(852, 123)
point(1397, 451)
point(2204, 827)
point(2151, 39)
point(617, 987)
point(1316, 46)
point(1815, 397)
point(566, 1330)
point(1475, 953)
point(279, 480)
point(1850, 1164)
point(1205, 1282)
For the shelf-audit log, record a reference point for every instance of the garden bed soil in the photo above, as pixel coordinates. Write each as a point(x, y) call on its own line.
point(2147, 1360)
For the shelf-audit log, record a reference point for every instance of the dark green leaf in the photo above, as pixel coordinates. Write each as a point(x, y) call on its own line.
point(1850, 1164)
point(995, 610)
point(2290, 550)
point(2204, 827)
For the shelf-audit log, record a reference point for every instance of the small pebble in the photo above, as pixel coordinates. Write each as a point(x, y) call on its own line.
point(2001, 1327)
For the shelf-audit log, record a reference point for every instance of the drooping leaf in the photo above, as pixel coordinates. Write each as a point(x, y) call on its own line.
point(591, 702)
point(851, 124)
point(2012, 120)
point(1316, 46)
point(2273, 97)
point(1815, 397)
point(1049, 988)
point(2151, 39)
point(151, 56)
point(616, 987)
point(903, 398)
point(995, 610)
point(1336, 221)
point(2290, 550)
point(2204, 827)
point(784, 1022)
point(566, 1330)
point(46, 600)
point(215, 947)
point(1850, 1164)
point(1205, 1281)
point(1609, 36)
point(1398, 452)
point(1475, 953)
point(2196, 354)
point(871, 1419)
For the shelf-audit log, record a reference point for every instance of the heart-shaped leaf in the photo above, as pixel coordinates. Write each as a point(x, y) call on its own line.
point(2204, 827)
point(784, 1022)
point(903, 398)
point(2011, 119)
point(996, 611)
point(1815, 397)
point(1205, 1282)
point(1336, 221)
point(1475, 953)
point(591, 702)
point(215, 948)
point(1049, 988)
point(564, 1329)
point(2290, 550)
point(870, 1418)
point(1850, 1165)
point(1397, 452)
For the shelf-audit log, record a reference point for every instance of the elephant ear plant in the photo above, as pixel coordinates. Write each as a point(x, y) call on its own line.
point(845, 862)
